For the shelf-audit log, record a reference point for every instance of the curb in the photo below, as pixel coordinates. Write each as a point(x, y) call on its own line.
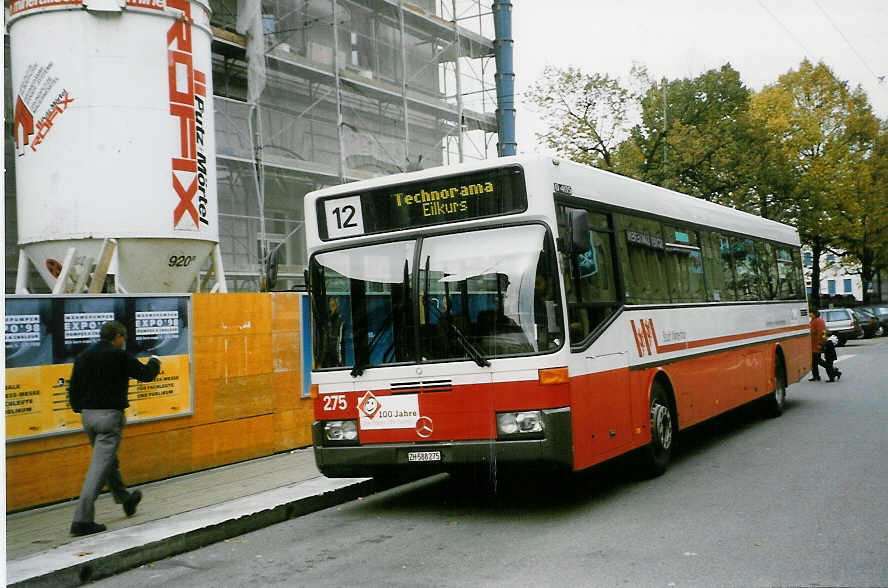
point(106, 554)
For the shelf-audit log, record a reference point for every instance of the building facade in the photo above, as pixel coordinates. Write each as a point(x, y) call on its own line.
point(311, 93)
point(841, 283)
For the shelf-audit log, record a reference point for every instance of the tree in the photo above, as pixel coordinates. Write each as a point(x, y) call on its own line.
point(818, 133)
point(802, 151)
point(862, 218)
point(695, 137)
point(587, 114)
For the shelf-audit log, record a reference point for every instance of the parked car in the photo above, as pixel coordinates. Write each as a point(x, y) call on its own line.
point(841, 323)
point(867, 321)
point(881, 312)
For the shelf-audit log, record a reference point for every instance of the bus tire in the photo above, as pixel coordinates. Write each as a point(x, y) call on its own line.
point(775, 402)
point(656, 454)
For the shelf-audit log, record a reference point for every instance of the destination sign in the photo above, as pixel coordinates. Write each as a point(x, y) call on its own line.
point(431, 202)
point(644, 239)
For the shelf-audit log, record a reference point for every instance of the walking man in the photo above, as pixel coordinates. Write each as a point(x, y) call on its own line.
point(98, 391)
point(818, 328)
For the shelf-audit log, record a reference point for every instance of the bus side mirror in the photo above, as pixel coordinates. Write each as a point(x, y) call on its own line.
point(579, 231)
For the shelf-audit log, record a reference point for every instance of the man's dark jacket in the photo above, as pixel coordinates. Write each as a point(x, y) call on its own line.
point(101, 375)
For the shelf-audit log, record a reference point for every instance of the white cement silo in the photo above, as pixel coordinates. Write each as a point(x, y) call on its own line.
point(115, 142)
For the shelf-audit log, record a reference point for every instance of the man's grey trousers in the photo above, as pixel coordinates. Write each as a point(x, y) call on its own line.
point(104, 428)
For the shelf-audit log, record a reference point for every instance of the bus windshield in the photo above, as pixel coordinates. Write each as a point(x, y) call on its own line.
point(473, 296)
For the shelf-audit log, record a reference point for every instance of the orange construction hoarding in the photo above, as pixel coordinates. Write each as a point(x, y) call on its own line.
point(44, 334)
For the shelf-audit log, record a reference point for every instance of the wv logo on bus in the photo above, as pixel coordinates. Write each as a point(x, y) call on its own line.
point(645, 337)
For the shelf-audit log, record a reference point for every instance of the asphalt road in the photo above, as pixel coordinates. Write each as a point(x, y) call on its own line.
point(800, 500)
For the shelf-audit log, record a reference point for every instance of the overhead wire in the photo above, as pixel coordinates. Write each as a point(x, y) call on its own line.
point(848, 42)
point(809, 53)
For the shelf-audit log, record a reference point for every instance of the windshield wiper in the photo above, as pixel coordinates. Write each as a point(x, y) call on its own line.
point(359, 367)
point(463, 341)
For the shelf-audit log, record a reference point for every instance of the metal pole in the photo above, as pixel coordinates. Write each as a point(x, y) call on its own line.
point(404, 80)
point(21, 279)
point(102, 265)
point(260, 185)
point(664, 129)
point(505, 77)
point(59, 287)
point(218, 271)
point(459, 102)
point(338, 82)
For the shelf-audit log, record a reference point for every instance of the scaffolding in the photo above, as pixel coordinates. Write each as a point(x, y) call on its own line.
point(312, 93)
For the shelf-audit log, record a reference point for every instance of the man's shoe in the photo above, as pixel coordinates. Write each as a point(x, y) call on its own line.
point(813, 379)
point(830, 380)
point(130, 504)
point(81, 529)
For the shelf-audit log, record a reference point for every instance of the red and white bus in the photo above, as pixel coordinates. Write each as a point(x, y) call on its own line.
point(525, 311)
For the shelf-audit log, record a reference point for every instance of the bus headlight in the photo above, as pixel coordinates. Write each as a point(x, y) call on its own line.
point(528, 423)
point(341, 431)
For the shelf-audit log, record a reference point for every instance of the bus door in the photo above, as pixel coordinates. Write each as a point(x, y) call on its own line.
point(600, 399)
point(600, 406)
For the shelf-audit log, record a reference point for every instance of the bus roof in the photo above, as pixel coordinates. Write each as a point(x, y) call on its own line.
point(628, 193)
point(596, 185)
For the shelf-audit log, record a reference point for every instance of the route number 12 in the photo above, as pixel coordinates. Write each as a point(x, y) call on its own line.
point(344, 217)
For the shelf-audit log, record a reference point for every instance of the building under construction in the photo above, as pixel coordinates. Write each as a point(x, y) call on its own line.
point(310, 93)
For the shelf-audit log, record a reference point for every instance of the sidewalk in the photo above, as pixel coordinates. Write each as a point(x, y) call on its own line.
point(176, 515)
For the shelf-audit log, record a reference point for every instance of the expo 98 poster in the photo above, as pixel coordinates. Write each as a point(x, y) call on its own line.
point(44, 334)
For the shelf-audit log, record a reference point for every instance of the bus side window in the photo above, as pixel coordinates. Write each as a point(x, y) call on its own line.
point(640, 249)
point(746, 280)
point(684, 264)
point(589, 277)
point(766, 270)
point(798, 276)
point(787, 273)
point(717, 265)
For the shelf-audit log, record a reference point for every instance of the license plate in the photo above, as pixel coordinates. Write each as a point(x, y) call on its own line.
point(423, 456)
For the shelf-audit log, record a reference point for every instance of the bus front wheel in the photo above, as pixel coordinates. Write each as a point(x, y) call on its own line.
point(657, 453)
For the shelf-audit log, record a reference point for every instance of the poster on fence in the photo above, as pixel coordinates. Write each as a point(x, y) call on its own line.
point(43, 335)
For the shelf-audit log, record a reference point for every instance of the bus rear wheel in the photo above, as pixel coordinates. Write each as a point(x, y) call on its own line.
point(776, 400)
point(656, 455)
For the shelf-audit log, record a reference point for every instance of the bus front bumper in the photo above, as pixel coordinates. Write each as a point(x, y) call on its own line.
point(352, 461)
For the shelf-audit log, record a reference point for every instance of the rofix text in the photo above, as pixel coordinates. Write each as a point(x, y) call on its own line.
point(58, 106)
point(447, 200)
point(187, 93)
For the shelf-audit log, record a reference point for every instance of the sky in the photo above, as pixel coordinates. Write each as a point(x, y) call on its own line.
point(761, 39)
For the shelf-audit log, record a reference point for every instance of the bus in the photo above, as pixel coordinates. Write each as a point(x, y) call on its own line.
point(527, 312)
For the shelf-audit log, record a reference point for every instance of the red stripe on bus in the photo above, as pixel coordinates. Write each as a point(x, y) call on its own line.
point(609, 409)
point(724, 339)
